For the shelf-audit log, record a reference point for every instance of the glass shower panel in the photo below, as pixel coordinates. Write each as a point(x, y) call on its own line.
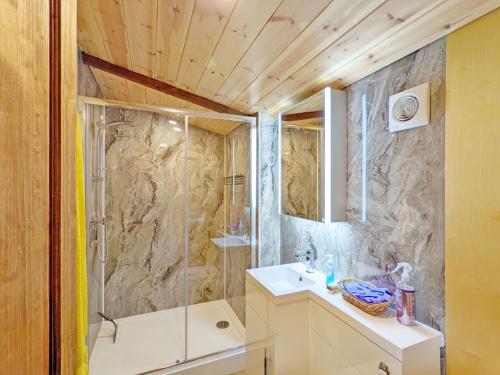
point(219, 245)
point(145, 273)
point(238, 218)
point(138, 163)
point(171, 212)
point(95, 267)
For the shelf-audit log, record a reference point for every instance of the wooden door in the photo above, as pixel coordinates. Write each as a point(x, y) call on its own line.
point(27, 242)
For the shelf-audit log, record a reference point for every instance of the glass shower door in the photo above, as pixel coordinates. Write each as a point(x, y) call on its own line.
point(135, 176)
point(219, 232)
point(171, 211)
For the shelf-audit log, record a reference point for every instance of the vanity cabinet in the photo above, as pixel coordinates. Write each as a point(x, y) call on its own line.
point(309, 331)
point(285, 329)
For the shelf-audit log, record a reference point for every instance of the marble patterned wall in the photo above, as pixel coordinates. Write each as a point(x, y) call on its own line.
point(238, 258)
point(405, 188)
point(145, 205)
point(405, 184)
point(237, 164)
point(300, 172)
point(206, 215)
point(268, 216)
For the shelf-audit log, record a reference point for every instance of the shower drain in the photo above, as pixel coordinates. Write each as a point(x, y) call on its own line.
point(222, 324)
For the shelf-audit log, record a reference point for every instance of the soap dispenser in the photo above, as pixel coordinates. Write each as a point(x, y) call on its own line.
point(330, 269)
point(405, 296)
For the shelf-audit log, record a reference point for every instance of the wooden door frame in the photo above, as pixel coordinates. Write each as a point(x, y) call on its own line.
point(55, 187)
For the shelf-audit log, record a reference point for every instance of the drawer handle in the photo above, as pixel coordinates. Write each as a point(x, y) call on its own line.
point(383, 369)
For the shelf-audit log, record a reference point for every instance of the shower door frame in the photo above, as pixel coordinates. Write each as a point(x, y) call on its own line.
point(254, 178)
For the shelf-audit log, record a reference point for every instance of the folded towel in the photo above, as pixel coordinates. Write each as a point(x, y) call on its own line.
point(367, 293)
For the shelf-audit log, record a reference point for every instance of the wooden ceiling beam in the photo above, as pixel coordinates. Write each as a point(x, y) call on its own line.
point(155, 84)
point(301, 116)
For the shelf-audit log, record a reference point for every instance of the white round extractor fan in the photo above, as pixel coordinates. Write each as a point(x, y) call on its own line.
point(410, 109)
point(405, 108)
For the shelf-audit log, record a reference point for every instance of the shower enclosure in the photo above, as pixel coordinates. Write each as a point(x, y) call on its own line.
point(171, 228)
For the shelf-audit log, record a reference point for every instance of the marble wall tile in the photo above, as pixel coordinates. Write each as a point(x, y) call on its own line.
point(405, 180)
point(236, 198)
point(405, 188)
point(269, 219)
point(338, 239)
point(145, 206)
point(237, 163)
point(206, 211)
point(300, 172)
point(238, 260)
point(145, 203)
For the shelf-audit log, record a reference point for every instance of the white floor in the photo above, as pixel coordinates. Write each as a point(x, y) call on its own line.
point(156, 340)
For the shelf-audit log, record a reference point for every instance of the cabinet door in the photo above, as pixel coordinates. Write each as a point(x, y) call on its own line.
point(256, 329)
point(256, 300)
point(354, 347)
point(324, 360)
point(291, 339)
point(260, 360)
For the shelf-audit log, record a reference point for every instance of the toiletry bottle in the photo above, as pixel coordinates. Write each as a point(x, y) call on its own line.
point(405, 296)
point(330, 269)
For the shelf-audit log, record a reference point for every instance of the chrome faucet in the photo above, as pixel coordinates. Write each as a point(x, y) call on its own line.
point(309, 257)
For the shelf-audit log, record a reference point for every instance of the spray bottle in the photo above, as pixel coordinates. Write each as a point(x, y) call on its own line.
point(405, 296)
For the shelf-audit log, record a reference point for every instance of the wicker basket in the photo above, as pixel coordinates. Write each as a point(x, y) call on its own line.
point(370, 308)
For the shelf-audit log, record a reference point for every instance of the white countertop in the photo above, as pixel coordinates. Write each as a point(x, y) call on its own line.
point(385, 330)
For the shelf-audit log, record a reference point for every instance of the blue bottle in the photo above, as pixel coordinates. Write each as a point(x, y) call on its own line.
point(330, 269)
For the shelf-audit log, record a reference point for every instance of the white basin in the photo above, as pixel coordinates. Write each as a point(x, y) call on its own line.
point(282, 279)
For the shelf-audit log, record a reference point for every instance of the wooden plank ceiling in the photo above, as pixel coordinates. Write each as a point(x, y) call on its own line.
point(256, 55)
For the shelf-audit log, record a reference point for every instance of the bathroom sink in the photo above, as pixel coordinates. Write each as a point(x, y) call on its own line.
point(281, 279)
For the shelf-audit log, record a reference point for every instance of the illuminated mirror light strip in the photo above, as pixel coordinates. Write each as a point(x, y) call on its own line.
point(255, 260)
point(328, 155)
point(186, 229)
point(253, 165)
point(233, 171)
point(363, 157)
point(256, 248)
point(279, 164)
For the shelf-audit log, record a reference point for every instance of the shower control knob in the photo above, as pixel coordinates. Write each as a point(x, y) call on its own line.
point(383, 369)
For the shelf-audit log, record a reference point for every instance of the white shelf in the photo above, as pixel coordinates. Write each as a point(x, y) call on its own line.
point(230, 240)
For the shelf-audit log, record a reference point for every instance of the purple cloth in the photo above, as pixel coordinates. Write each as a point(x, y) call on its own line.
point(382, 281)
point(367, 293)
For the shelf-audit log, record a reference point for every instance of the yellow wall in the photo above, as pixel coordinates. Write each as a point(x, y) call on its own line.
point(473, 198)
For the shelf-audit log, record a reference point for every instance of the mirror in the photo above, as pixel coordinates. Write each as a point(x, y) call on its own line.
point(302, 128)
point(313, 179)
